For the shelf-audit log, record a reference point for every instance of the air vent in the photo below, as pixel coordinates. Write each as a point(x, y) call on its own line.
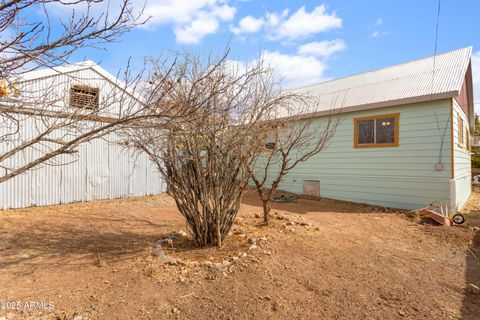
point(85, 97)
point(311, 188)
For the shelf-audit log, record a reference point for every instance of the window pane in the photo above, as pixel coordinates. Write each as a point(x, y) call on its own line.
point(385, 130)
point(365, 131)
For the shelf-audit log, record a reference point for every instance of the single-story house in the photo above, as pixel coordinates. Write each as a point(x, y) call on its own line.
point(102, 169)
point(403, 138)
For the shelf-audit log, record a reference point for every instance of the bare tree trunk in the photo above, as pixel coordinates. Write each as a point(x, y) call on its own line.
point(206, 158)
point(296, 139)
point(219, 235)
point(266, 211)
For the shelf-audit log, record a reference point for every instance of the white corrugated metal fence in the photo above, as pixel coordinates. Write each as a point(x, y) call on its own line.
point(101, 170)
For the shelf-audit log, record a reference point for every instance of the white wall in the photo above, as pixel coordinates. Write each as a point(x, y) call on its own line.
point(53, 92)
point(102, 168)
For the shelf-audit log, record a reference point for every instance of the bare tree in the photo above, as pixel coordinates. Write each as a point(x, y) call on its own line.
point(27, 44)
point(205, 157)
point(291, 137)
point(37, 121)
point(42, 122)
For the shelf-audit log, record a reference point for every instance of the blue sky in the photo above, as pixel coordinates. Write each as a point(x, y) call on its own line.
point(304, 41)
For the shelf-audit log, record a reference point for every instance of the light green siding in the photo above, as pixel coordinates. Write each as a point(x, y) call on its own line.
point(463, 175)
point(400, 177)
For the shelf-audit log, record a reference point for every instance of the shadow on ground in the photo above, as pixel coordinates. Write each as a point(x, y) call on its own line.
point(79, 242)
point(304, 205)
point(82, 234)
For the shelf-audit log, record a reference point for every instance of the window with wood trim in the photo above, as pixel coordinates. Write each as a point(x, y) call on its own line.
point(83, 96)
point(376, 131)
point(461, 142)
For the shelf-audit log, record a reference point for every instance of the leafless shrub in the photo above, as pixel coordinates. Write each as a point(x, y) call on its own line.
point(292, 136)
point(205, 157)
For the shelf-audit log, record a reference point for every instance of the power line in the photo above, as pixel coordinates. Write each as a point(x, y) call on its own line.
point(433, 82)
point(436, 32)
point(436, 44)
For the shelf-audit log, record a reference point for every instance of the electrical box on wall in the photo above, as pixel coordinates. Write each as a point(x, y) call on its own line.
point(439, 166)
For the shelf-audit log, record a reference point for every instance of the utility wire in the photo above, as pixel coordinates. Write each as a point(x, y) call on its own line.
point(435, 49)
point(436, 36)
point(433, 78)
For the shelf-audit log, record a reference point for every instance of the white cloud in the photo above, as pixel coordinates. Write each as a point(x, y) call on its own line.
point(322, 48)
point(195, 30)
point(303, 24)
point(248, 24)
point(476, 79)
point(190, 20)
point(377, 34)
point(274, 19)
point(300, 24)
point(165, 12)
point(378, 22)
point(293, 70)
point(307, 66)
point(303, 68)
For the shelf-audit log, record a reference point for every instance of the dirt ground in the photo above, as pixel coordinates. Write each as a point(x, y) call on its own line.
point(319, 259)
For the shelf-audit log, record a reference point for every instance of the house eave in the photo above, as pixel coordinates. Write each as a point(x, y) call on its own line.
point(377, 105)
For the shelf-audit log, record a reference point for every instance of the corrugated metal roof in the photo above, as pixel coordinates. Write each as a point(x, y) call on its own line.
point(410, 82)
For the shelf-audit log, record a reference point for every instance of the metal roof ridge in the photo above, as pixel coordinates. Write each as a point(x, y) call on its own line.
point(469, 48)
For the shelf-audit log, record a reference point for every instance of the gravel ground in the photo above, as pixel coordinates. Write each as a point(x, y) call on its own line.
point(319, 259)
